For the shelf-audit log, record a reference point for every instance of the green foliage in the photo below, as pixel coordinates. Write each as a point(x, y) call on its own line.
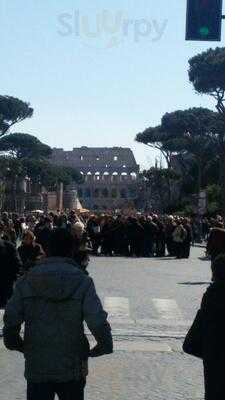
point(11, 168)
point(191, 138)
point(27, 157)
point(213, 193)
point(66, 175)
point(12, 111)
point(207, 74)
point(160, 175)
point(155, 137)
point(48, 175)
point(160, 182)
point(207, 71)
point(22, 145)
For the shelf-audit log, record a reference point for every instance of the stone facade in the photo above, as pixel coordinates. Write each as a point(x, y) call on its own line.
point(111, 175)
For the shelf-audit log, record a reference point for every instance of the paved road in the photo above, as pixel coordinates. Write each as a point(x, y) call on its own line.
point(150, 303)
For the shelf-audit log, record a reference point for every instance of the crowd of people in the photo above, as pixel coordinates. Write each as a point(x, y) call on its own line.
point(51, 254)
point(136, 235)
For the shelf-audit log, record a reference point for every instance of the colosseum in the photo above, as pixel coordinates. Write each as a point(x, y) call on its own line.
point(111, 175)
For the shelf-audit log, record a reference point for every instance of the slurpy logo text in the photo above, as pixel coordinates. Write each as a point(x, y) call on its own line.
point(110, 28)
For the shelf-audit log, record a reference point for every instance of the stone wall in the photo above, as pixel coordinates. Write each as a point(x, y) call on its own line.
point(111, 175)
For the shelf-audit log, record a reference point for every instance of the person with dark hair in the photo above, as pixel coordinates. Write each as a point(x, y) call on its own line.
point(11, 266)
point(205, 339)
point(43, 233)
point(53, 300)
point(30, 251)
point(188, 239)
point(179, 237)
point(216, 241)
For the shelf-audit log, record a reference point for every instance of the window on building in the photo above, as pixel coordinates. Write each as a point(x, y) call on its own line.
point(97, 176)
point(115, 176)
point(81, 158)
point(89, 176)
point(106, 176)
point(124, 176)
point(133, 176)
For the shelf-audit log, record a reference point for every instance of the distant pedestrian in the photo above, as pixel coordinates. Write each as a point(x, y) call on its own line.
point(30, 251)
point(188, 239)
point(179, 237)
point(53, 300)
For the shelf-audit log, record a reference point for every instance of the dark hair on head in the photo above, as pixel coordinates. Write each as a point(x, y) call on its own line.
point(218, 268)
point(61, 243)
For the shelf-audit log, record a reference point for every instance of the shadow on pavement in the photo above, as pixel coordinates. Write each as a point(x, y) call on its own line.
point(193, 283)
point(204, 258)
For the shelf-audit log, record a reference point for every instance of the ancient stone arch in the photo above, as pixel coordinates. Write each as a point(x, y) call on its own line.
point(124, 176)
point(115, 177)
point(89, 176)
point(106, 176)
point(97, 176)
point(133, 176)
point(107, 169)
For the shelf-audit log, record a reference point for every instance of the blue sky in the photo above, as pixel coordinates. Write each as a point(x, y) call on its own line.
point(97, 87)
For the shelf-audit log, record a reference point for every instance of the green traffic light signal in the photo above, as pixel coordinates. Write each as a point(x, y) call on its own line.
point(204, 31)
point(204, 20)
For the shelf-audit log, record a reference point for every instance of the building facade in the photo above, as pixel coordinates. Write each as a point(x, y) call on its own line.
point(111, 175)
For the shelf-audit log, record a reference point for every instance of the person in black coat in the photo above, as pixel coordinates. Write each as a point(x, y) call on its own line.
point(188, 240)
point(205, 339)
point(30, 251)
point(10, 268)
point(43, 233)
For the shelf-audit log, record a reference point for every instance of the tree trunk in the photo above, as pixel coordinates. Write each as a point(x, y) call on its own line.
point(199, 176)
point(222, 177)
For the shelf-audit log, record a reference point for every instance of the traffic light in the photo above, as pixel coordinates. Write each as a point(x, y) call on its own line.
point(204, 20)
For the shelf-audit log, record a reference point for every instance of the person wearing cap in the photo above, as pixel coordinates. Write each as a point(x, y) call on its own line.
point(53, 300)
point(205, 338)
